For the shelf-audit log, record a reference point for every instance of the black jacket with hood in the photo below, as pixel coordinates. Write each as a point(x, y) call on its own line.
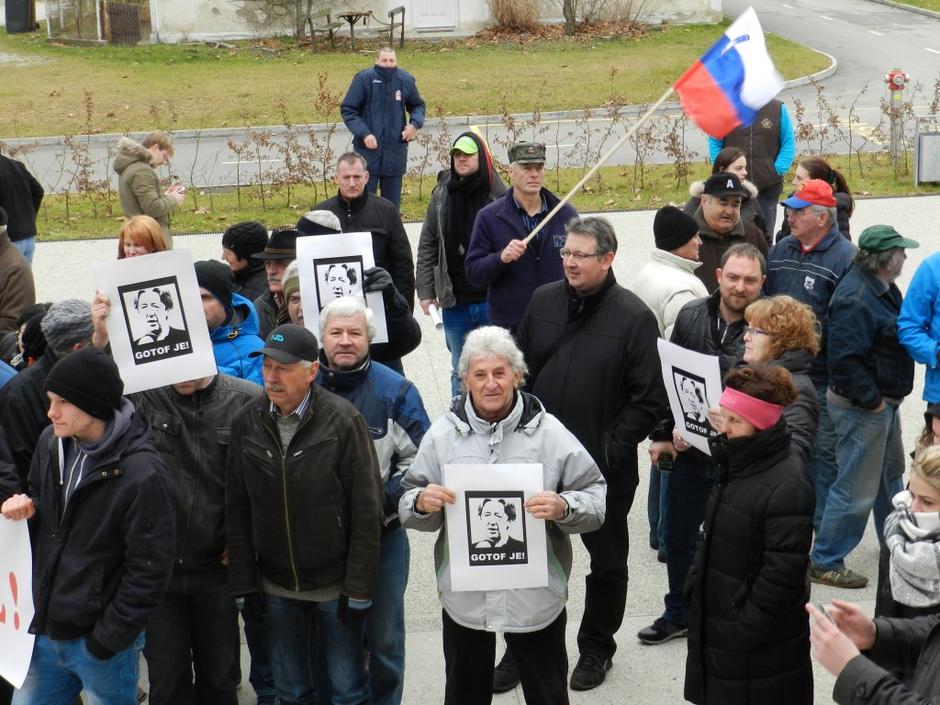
point(102, 560)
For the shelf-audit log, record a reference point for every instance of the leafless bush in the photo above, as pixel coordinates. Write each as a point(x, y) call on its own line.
point(515, 15)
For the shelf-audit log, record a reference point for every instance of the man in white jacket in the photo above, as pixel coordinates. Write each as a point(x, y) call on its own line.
point(667, 283)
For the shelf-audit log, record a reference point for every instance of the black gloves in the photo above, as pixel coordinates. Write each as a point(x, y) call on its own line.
point(377, 279)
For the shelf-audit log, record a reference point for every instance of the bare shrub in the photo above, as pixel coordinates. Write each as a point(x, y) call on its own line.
point(515, 15)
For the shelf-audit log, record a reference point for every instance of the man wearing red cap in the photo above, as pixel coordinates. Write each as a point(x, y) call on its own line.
point(808, 264)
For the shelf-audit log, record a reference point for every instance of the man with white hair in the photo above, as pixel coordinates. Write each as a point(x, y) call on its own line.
point(397, 421)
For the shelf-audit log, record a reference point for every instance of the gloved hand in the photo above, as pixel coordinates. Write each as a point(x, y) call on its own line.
point(252, 606)
point(377, 279)
point(351, 610)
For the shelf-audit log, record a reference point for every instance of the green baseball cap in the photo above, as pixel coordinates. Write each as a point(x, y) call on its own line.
point(881, 238)
point(465, 144)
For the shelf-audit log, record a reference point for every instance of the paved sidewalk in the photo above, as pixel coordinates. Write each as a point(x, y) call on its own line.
point(649, 674)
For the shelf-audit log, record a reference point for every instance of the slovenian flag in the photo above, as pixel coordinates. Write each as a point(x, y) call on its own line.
point(732, 81)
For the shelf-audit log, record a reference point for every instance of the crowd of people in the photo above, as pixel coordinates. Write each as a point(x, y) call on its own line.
point(279, 491)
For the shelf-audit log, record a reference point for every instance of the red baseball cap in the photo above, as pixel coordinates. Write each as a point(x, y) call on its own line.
point(814, 192)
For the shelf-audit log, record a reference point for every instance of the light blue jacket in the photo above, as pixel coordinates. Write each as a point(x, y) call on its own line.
point(232, 342)
point(919, 323)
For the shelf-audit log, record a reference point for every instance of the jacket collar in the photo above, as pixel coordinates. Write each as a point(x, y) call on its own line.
point(525, 416)
point(705, 230)
point(670, 260)
point(342, 379)
point(737, 458)
point(355, 204)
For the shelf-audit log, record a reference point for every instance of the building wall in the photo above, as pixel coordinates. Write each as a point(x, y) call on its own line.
point(185, 20)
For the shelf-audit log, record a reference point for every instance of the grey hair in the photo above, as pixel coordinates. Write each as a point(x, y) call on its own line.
point(306, 364)
point(346, 306)
point(598, 228)
point(874, 262)
point(491, 340)
point(326, 219)
point(829, 211)
point(351, 158)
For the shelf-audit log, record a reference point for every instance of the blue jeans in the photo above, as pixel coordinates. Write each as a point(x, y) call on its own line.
point(389, 185)
point(822, 465)
point(459, 320)
point(194, 631)
point(27, 248)
point(60, 670)
point(655, 498)
point(259, 675)
point(871, 462)
point(385, 625)
point(305, 637)
point(686, 489)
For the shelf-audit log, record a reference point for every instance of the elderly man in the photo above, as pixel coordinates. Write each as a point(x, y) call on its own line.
point(397, 422)
point(374, 111)
point(870, 373)
point(498, 259)
point(103, 537)
point(303, 518)
point(359, 211)
point(589, 333)
point(667, 283)
point(276, 255)
point(720, 225)
point(808, 265)
point(494, 422)
point(713, 325)
point(467, 186)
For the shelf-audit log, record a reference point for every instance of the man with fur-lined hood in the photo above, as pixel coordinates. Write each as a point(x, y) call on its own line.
point(138, 183)
point(750, 209)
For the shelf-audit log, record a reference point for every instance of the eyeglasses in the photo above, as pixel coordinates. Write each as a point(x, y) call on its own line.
point(578, 256)
point(751, 330)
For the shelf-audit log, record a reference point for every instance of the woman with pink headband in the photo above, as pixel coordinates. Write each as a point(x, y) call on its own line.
point(748, 632)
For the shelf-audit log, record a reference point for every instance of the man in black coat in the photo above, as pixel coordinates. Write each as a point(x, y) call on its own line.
point(713, 325)
point(20, 195)
point(360, 211)
point(103, 536)
point(591, 349)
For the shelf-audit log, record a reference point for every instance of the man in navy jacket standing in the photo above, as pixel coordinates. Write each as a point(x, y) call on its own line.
point(374, 111)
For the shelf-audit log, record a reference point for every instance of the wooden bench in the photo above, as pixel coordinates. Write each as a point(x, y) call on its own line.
point(327, 27)
point(386, 30)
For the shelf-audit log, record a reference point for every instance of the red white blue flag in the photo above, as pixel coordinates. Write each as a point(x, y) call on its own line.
point(732, 81)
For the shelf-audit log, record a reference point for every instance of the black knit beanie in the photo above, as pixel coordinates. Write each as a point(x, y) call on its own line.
point(672, 228)
point(217, 279)
point(89, 379)
point(244, 239)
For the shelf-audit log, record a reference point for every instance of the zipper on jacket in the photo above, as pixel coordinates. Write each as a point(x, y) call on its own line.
point(290, 545)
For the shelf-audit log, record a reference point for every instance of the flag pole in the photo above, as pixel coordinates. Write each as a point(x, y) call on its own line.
point(593, 169)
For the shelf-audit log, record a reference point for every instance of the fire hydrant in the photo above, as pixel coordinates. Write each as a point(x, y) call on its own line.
point(896, 79)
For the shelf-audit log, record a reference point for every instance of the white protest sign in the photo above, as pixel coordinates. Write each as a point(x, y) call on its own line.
point(494, 543)
point(332, 266)
point(693, 385)
point(16, 601)
point(157, 326)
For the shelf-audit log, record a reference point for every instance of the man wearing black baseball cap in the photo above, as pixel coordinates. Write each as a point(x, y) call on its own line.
point(720, 225)
point(303, 517)
point(104, 535)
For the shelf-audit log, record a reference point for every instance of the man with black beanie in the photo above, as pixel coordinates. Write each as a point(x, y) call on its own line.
point(232, 321)
point(103, 536)
point(461, 191)
point(239, 243)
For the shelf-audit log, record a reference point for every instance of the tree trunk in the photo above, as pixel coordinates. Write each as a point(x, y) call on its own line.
point(569, 9)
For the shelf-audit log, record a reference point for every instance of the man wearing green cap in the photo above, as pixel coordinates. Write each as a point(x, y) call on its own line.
point(462, 190)
point(870, 373)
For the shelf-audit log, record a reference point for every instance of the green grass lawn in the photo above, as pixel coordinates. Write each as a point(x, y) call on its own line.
point(926, 4)
point(617, 189)
point(67, 89)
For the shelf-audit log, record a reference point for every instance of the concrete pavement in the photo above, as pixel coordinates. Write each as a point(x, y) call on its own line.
point(653, 675)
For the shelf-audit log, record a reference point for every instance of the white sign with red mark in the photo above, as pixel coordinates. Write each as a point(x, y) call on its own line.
point(16, 601)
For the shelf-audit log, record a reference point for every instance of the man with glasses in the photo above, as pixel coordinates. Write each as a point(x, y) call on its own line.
point(497, 258)
point(713, 325)
point(808, 264)
point(583, 333)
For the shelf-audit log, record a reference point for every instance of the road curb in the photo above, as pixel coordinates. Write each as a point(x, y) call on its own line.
point(909, 8)
point(455, 121)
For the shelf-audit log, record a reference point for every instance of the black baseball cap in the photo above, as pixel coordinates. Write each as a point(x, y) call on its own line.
point(289, 344)
point(725, 184)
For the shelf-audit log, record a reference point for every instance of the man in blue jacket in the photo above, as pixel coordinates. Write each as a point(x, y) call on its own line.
point(919, 324)
point(498, 259)
point(397, 421)
point(374, 111)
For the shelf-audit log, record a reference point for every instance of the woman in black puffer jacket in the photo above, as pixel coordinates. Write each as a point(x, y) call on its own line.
point(748, 632)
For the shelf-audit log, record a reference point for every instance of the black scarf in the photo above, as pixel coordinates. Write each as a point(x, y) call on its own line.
point(465, 197)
